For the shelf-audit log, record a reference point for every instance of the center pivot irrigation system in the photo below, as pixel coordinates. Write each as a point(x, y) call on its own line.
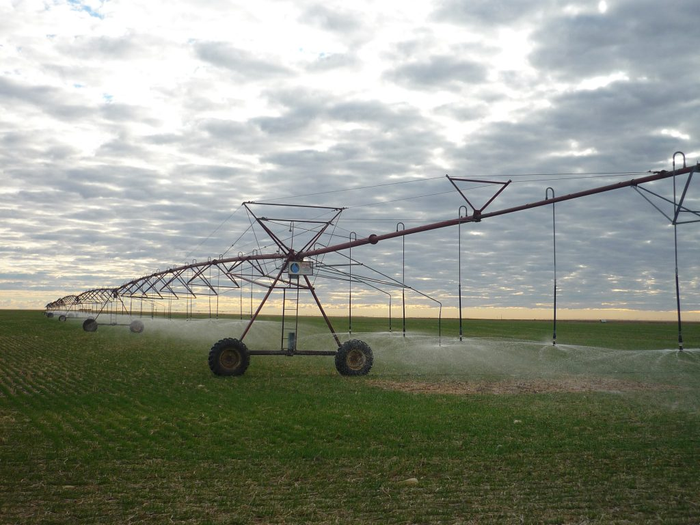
point(298, 233)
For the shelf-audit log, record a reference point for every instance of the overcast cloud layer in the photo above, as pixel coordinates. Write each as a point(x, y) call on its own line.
point(130, 134)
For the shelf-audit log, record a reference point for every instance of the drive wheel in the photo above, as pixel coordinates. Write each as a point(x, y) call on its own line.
point(136, 326)
point(354, 358)
point(62, 318)
point(90, 325)
point(229, 357)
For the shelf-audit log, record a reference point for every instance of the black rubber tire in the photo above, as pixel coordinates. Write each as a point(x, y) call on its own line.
point(62, 318)
point(136, 326)
point(49, 315)
point(229, 357)
point(90, 325)
point(354, 358)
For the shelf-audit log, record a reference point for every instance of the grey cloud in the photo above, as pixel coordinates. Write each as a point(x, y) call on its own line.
point(47, 198)
point(491, 12)
point(299, 98)
point(68, 112)
point(414, 44)
point(392, 142)
point(45, 98)
point(12, 139)
point(226, 129)
point(373, 112)
point(625, 117)
point(442, 71)
point(216, 136)
point(19, 146)
point(464, 112)
point(123, 147)
point(586, 45)
point(117, 112)
point(636, 37)
point(333, 61)
point(622, 122)
point(195, 103)
point(304, 111)
point(244, 65)
point(59, 152)
point(306, 106)
point(293, 122)
point(88, 189)
point(331, 19)
point(16, 275)
point(215, 172)
point(14, 90)
point(163, 138)
point(104, 47)
point(307, 110)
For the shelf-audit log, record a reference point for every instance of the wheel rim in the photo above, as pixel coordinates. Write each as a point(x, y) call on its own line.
point(230, 359)
point(356, 359)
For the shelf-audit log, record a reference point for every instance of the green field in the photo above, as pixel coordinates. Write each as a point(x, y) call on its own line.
point(115, 427)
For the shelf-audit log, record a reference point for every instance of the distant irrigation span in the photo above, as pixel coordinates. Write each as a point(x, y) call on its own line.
point(298, 234)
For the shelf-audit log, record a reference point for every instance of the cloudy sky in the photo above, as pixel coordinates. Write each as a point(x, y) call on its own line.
point(131, 132)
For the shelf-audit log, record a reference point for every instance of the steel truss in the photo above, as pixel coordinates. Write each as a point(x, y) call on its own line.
point(268, 269)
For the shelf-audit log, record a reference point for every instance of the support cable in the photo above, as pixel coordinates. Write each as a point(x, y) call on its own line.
point(213, 232)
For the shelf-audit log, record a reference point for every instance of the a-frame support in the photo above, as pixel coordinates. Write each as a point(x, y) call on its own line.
point(291, 256)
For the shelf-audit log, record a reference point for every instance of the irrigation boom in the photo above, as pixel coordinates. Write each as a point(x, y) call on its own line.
point(231, 356)
point(478, 214)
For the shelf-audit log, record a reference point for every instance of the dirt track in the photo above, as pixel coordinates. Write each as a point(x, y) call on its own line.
point(533, 386)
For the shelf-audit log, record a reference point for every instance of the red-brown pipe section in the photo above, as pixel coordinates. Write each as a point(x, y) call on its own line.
point(374, 239)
